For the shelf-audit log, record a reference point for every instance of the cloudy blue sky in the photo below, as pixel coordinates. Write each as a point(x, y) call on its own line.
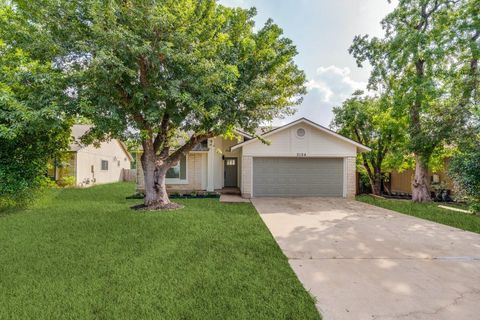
point(323, 31)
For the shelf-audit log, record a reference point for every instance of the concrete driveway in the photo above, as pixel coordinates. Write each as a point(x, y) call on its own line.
point(363, 262)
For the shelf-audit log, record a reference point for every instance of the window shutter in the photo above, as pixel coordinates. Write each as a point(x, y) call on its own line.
point(183, 168)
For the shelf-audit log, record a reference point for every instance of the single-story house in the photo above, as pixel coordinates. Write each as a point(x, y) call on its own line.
point(88, 165)
point(302, 159)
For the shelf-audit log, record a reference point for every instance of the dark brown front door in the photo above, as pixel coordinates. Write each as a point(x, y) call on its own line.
point(231, 172)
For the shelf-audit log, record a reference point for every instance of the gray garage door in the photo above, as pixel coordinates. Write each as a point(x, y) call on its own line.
point(297, 177)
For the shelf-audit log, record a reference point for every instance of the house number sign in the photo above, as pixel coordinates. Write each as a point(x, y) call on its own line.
point(301, 155)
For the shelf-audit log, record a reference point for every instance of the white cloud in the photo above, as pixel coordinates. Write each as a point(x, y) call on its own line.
point(335, 83)
point(328, 88)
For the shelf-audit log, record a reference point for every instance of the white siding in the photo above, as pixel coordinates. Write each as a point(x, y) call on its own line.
point(315, 143)
point(89, 156)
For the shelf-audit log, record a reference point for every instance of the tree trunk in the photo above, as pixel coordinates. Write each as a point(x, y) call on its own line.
point(156, 196)
point(420, 190)
point(377, 184)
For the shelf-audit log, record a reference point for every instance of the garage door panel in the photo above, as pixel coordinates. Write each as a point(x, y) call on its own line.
point(298, 177)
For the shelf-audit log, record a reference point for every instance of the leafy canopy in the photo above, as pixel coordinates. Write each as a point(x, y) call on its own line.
point(428, 61)
point(372, 121)
point(172, 65)
point(33, 127)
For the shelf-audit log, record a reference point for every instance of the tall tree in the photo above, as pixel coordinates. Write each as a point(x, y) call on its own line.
point(167, 68)
point(33, 127)
point(372, 122)
point(428, 59)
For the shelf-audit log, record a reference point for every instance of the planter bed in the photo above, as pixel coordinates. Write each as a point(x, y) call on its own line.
point(212, 195)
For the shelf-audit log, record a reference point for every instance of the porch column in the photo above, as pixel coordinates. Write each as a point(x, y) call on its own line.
point(210, 166)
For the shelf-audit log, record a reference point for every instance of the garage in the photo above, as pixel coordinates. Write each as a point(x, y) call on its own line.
point(297, 177)
point(299, 159)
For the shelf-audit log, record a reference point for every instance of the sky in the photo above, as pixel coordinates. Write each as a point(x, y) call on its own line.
point(323, 30)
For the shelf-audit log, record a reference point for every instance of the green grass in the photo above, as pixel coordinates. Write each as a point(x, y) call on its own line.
point(83, 254)
point(428, 211)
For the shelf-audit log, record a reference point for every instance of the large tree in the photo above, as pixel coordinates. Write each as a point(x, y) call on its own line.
point(167, 68)
point(428, 60)
point(33, 126)
point(372, 121)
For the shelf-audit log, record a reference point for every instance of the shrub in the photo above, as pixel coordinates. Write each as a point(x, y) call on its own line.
point(464, 168)
point(67, 182)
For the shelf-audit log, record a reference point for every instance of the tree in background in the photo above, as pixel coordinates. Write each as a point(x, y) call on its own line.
point(166, 69)
point(33, 127)
point(428, 61)
point(372, 122)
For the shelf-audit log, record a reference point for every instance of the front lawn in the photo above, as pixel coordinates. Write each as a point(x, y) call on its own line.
point(428, 211)
point(83, 254)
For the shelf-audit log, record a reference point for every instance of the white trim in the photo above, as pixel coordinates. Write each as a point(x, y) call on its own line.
point(243, 134)
point(294, 155)
point(345, 177)
point(360, 146)
point(175, 181)
point(252, 195)
point(211, 166)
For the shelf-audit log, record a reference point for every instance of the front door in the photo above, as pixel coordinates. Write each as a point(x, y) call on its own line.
point(231, 172)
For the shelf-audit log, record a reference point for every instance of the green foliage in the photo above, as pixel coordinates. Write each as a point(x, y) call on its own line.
point(83, 254)
point(464, 168)
point(156, 70)
point(67, 181)
point(428, 62)
point(135, 62)
point(372, 122)
point(32, 123)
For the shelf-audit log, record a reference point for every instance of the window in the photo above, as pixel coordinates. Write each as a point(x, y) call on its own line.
point(179, 172)
point(300, 132)
point(104, 165)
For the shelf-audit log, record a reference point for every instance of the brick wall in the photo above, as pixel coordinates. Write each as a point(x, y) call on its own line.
point(247, 167)
point(351, 169)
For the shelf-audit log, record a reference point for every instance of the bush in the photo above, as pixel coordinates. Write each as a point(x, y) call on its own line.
point(33, 124)
point(66, 182)
point(464, 168)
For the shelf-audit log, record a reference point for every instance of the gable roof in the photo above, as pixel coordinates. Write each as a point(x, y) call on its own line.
point(360, 146)
point(78, 130)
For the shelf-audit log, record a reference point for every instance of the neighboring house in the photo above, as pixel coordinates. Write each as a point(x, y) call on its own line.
point(401, 182)
point(89, 165)
point(302, 159)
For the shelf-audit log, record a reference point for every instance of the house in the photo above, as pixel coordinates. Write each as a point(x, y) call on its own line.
point(302, 159)
point(401, 182)
point(86, 165)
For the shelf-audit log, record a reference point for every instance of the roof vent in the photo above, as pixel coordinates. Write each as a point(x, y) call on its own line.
point(300, 132)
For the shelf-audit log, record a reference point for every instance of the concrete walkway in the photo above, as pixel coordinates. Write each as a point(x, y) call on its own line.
point(363, 262)
point(233, 198)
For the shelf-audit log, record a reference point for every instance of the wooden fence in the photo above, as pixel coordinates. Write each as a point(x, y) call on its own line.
point(129, 175)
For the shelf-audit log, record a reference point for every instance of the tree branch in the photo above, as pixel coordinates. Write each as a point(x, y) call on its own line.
point(162, 136)
point(187, 147)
